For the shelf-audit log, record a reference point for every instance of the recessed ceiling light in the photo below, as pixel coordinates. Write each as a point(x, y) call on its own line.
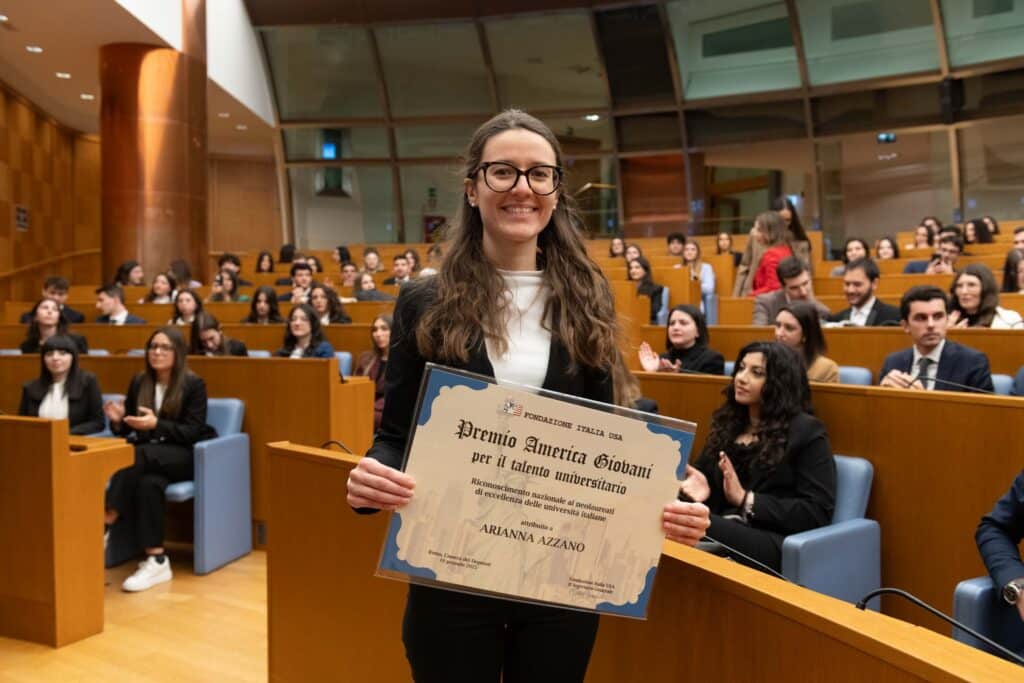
point(592, 117)
point(63, 74)
point(241, 126)
point(3, 18)
point(34, 49)
point(87, 96)
point(223, 114)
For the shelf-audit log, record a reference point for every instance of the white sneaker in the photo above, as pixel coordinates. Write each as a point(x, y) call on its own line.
point(149, 574)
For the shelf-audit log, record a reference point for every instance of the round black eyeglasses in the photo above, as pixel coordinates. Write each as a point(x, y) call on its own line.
point(502, 177)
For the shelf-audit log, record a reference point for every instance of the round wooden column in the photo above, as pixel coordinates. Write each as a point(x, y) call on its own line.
point(154, 147)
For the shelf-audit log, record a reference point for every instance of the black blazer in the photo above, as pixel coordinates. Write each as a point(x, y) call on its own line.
point(70, 314)
point(85, 402)
point(958, 363)
point(881, 314)
point(797, 495)
point(130, 320)
point(186, 428)
point(83, 346)
point(405, 369)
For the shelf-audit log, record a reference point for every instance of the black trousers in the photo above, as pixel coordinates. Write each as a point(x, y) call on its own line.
point(137, 492)
point(763, 546)
point(454, 637)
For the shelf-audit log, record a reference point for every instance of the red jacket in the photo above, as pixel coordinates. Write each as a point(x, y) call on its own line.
point(765, 279)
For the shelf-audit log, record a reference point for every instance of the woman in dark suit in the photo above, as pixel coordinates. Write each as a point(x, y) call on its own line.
point(373, 364)
point(164, 413)
point(63, 390)
point(686, 345)
point(767, 469)
point(514, 240)
point(304, 337)
point(639, 271)
point(209, 340)
point(46, 320)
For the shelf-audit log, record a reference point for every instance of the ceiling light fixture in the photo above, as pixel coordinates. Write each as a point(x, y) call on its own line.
point(34, 49)
point(63, 74)
point(224, 114)
point(592, 117)
point(241, 126)
point(88, 97)
point(3, 18)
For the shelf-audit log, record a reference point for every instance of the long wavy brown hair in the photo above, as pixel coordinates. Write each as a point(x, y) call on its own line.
point(471, 302)
point(176, 385)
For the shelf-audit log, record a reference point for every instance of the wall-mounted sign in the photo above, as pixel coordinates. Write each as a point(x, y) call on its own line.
point(21, 218)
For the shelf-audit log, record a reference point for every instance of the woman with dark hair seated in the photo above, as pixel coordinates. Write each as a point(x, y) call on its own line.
point(854, 249)
point(686, 346)
point(886, 248)
point(977, 232)
point(1013, 272)
point(187, 305)
point(974, 301)
point(327, 305)
point(162, 291)
point(639, 271)
point(47, 320)
point(373, 364)
point(263, 308)
point(798, 326)
point(209, 340)
point(304, 337)
point(63, 390)
point(130, 274)
point(265, 262)
point(766, 470)
point(165, 411)
point(365, 289)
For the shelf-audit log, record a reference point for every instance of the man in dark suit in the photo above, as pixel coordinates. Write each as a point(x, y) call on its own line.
point(998, 536)
point(302, 282)
point(796, 286)
point(110, 302)
point(860, 284)
point(399, 271)
point(56, 288)
point(933, 362)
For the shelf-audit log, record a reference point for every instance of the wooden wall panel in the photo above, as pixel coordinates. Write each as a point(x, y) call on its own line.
point(654, 194)
point(245, 214)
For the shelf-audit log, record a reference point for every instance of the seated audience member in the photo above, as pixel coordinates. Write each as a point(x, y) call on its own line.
point(400, 272)
point(998, 537)
point(992, 224)
point(944, 260)
point(640, 272)
point(723, 245)
point(860, 284)
point(855, 248)
point(130, 274)
point(187, 305)
point(161, 291)
point(287, 281)
point(314, 264)
point(373, 364)
point(887, 249)
point(234, 264)
point(265, 262)
point(63, 391)
point(686, 346)
point(304, 337)
point(1013, 272)
point(341, 255)
point(933, 362)
point(675, 241)
point(617, 248)
point(263, 308)
point(798, 326)
point(633, 251)
point(371, 260)
point(699, 270)
point(165, 410)
point(209, 340)
point(286, 253)
point(366, 290)
point(56, 288)
point(48, 321)
point(301, 281)
point(110, 304)
point(327, 306)
point(182, 273)
point(349, 275)
point(924, 238)
point(767, 469)
point(933, 224)
point(976, 232)
point(413, 257)
point(770, 234)
point(1018, 239)
point(796, 286)
point(974, 301)
point(225, 288)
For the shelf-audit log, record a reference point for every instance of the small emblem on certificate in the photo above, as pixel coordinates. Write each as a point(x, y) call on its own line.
point(527, 494)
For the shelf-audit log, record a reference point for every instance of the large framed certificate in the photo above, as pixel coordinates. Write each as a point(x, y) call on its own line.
point(527, 494)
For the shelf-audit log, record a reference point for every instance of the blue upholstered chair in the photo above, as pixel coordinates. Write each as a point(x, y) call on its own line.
point(662, 317)
point(710, 308)
point(220, 493)
point(344, 362)
point(1003, 384)
point(842, 559)
point(730, 365)
point(258, 353)
point(136, 352)
point(98, 352)
point(852, 374)
point(978, 603)
point(1018, 383)
point(10, 352)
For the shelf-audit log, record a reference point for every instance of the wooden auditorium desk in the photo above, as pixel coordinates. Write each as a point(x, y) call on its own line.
point(941, 461)
point(710, 619)
point(300, 400)
point(51, 506)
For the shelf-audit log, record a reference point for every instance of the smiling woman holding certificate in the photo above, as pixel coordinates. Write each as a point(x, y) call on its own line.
point(516, 298)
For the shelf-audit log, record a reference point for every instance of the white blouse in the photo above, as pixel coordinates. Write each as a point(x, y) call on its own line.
point(55, 404)
point(529, 344)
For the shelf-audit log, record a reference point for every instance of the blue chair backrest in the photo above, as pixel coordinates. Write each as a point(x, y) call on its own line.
point(344, 362)
point(1018, 383)
point(662, 317)
point(255, 353)
point(225, 415)
point(1003, 384)
point(98, 352)
point(710, 303)
point(853, 487)
point(136, 352)
point(10, 352)
point(730, 365)
point(852, 374)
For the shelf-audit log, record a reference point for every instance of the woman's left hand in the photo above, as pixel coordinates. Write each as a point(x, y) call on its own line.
point(144, 422)
point(734, 491)
point(685, 522)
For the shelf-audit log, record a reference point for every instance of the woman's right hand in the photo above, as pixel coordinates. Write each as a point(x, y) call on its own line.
point(648, 358)
point(114, 410)
point(372, 484)
point(695, 485)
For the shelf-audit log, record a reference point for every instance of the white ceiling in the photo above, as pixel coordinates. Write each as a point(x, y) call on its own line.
point(71, 33)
